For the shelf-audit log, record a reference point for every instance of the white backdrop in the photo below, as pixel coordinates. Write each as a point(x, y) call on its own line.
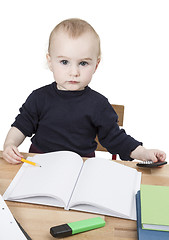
point(134, 70)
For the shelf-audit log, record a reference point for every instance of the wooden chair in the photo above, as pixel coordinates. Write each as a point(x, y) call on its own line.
point(120, 112)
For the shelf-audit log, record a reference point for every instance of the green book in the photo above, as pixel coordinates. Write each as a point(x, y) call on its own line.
point(154, 207)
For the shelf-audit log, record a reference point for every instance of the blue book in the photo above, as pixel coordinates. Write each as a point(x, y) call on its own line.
point(144, 234)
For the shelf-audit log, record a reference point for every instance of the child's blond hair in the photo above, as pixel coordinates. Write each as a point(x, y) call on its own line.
point(75, 27)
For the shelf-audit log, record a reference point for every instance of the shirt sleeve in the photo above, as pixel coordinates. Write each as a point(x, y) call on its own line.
point(27, 120)
point(114, 139)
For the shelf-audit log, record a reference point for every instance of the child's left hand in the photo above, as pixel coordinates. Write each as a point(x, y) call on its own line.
point(155, 155)
point(144, 154)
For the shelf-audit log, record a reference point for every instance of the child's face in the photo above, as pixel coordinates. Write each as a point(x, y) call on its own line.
point(73, 61)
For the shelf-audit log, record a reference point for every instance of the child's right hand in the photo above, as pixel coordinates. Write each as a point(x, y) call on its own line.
point(12, 155)
point(13, 139)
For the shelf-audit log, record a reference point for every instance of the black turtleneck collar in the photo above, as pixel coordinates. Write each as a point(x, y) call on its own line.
point(65, 93)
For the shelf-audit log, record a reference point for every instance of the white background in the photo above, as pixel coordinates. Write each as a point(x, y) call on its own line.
point(134, 70)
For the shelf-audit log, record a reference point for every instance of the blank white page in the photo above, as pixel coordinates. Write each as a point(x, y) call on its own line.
point(55, 178)
point(9, 229)
point(107, 185)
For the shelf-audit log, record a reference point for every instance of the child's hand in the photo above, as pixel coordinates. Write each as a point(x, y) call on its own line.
point(155, 155)
point(14, 138)
point(144, 154)
point(12, 155)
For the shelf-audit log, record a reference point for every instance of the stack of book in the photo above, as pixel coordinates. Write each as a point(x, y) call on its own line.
point(152, 206)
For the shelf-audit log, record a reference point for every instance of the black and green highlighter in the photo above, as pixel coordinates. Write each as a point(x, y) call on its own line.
point(69, 229)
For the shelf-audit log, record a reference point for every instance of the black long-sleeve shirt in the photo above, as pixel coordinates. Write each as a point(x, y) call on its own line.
point(69, 120)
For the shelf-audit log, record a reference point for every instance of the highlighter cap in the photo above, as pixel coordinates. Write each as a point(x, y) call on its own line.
point(61, 231)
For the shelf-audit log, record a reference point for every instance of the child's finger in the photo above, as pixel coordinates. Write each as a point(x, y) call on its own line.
point(12, 160)
point(17, 153)
point(15, 157)
point(161, 156)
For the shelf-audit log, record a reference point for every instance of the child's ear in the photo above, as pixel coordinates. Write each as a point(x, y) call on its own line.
point(97, 64)
point(49, 61)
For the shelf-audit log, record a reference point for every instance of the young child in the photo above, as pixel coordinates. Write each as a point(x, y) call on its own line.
point(67, 114)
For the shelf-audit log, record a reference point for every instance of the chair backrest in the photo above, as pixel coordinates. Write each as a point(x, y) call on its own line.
point(119, 109)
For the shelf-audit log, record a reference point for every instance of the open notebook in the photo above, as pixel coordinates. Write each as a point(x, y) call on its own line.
point(64, 180)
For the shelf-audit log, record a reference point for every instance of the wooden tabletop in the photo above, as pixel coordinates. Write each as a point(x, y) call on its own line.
point(37, 219)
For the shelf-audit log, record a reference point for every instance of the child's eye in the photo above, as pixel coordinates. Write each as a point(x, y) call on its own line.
point(64, 62)
point(83, 63)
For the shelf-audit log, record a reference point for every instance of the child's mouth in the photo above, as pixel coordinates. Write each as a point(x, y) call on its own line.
point(73, 82)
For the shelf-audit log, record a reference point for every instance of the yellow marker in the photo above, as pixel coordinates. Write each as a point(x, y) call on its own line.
point(32, 163)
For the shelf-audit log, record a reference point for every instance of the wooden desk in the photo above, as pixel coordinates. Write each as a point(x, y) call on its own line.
point(37, 220)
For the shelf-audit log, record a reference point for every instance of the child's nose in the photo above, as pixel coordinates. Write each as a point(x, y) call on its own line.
point(74, 71)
